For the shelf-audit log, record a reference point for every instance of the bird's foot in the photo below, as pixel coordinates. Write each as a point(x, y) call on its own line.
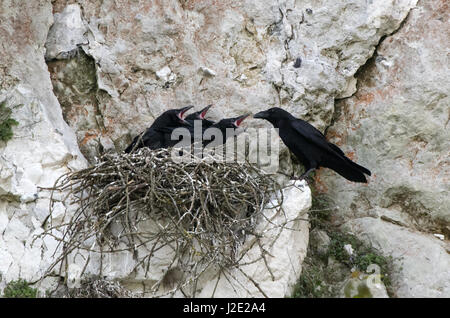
point(302, 178)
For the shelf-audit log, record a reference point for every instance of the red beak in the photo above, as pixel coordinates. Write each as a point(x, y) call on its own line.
point(183, 112)
point(204, 111)
point(240, 119)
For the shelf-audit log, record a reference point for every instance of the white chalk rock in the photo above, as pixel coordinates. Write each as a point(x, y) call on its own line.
point(285, 251)
point(74, 272)
point(166, 75)
point(66, 34)
point(251, 49)
point(421, 262)
point(42, 148)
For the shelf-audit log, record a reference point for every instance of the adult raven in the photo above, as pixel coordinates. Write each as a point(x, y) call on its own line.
point(158, 135)
point(209, 136)
point(310, 146)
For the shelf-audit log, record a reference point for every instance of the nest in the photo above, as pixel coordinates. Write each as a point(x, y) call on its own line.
point(99, 288)
point(196, 212)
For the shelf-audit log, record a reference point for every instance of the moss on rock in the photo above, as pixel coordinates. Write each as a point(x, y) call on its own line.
point(19, 289)
point(6, 122)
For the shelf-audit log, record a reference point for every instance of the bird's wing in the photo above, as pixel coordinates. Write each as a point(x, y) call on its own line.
point(313, 135)
point(152, 139)
point(336, 148)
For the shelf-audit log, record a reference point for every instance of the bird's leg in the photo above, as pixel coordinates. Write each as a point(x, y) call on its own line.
point(305, 174)
point(287, 175)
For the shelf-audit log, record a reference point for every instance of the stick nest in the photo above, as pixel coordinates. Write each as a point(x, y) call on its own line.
point(98, 288)
point(198, 212)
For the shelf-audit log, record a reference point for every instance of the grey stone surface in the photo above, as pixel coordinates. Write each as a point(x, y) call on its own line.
point(421, 261)
point(113, 66)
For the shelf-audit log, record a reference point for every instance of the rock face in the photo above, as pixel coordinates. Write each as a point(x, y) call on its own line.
point(239, 55)
point(422, 261)
point(285, 250)
point(268, 266)
point(66, 34)
point(43, 147)
point(397, 125)
point(113, 66)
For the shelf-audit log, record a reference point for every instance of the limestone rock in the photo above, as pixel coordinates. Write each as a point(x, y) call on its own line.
point(396, 125)
point(238, 56)
point(67, 34)
point(422, 263)
point(379, 127)
point(43, 146)
point(139, 59)
point(320, 241)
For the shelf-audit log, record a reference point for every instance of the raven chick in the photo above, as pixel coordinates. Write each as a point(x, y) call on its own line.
point(310, 146)
point(159, 133)
point(191, 119)
point(222, 125)
point(200, 115)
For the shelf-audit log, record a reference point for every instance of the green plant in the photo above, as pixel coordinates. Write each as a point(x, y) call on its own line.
point(363, 256)
point(6, 122)
point(313, 282)
point(19, 289)
point(323, 273)
point(336, 248)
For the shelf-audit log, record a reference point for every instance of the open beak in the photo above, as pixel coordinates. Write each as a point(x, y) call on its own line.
point(239, 120)
point(182, 113)
point(204, 111)
point(261, 115)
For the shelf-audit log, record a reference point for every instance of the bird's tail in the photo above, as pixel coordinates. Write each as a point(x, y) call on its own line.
point(348, 169)
point(360, 168)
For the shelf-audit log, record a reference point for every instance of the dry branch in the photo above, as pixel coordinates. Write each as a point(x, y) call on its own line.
point(196, 212)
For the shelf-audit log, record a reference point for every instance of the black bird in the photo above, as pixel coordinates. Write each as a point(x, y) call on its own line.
point(195, 118)
point(158, 135)
point(310, 146)
point(222, 125)
point(200, 115)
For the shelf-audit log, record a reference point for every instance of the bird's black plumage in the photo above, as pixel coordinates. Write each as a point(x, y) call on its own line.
point(158, 135)
point(210, 136)
point(310, 146)
point(198, 124)
point(200, 115)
